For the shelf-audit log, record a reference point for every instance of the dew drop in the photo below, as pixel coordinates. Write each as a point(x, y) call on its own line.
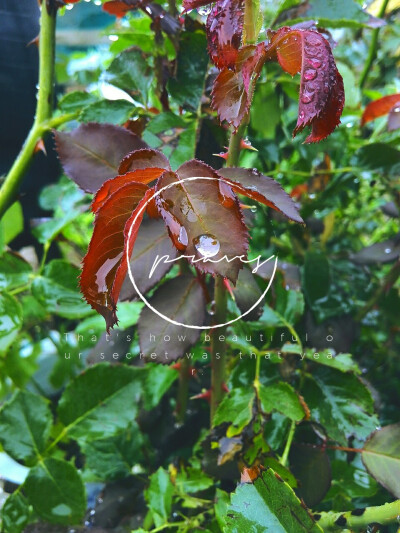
point(253, 209)
point(225, 194)
point(301, 115)
point(307, 98)
point(206, 245)
point(388, 250)
point(211, 308)
point(315, 63)
point(310, 74)
point(396, 110)
point(204, 11)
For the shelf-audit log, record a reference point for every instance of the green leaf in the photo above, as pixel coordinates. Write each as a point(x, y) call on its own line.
point(236, 408)
point(131, 72)
point(159, 496)
point(10, 320)
point(25, 423)
point(339, 14)
point(381, 457)
point(268, 504)
point(221, 507)
point(379, 157)
point(15, 513)
point(14, 271)
point(192, 480)
point(342, 361)
point(56, 492)
point(128, 315)
point(158, 380)
point(316, 276)
point(112, 458)
point(11, 224)
point(101, 401)
point(247, 293)
point(283, 398)
point(188, 85)
point(57, 290)
point(341, 403)
point(351, 89)
point(48, 230)
point(110, 111)
point(75, 101)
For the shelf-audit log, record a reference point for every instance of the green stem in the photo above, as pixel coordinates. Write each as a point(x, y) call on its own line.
point(373, 47)
point(183, 390)
point(251, 13)
point(218, 347)
point(12, 182)
point(383, 515)
point(286, 451)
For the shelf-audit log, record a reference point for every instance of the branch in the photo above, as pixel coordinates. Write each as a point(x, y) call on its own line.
point(359, 518)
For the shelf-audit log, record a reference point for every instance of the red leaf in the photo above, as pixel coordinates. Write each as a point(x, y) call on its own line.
point(380, 107)
point(112, 185)
point(105, 265)
point(321, 90)
point(232, 91)
point(91, 154)
point(202, 222)
point(143, 159)
point(188, 5)
point(224, 32)
point(261, 188)
point(120, 9)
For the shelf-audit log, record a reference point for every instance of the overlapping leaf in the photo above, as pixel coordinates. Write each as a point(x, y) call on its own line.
point(91, 154)
point(224, 32)
point(381, 107)
point(105, 265)
point(321, 99)
point(199, 223)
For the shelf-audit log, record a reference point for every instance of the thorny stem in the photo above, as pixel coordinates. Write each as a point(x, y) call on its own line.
point(183, 390)
point(41, 123)
point(373, 47)
point(382, 515)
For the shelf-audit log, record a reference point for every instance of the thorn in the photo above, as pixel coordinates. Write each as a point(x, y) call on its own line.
point(224, 387)
point(247, 146)
point(204, 395)
point(34, 41)
point(40, 147)
point(223, 155)
point(229, 288)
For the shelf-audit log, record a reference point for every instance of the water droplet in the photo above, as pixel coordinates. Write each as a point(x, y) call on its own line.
point(388, 250)
point(310, 74)
point(396, 110)
point(307, 98)
point(207, 245)
point(176, 231)
point(253, 209)
point(211, 308)
point(301, 115)
point(314, 63)
point(225, 194)
point(313, 40)
point(204, 11)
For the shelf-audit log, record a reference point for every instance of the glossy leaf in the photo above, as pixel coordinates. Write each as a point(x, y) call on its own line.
point(55, 490)
point(380, 107)
point(57, 290)
point(159, 496)
point(224, 32)
point(131, 72)
point(157, 382)
point(282, 397)
point(25, 423)
point(267, 503)
point(100, 402)
point(254, 185)
point(75, 101)
point(321, 98)
point(380, 252)
point(105, 264)
point(14, 271)
point(247, 293)
point(233, 89)
point(237, 409)
point(199, 223)
point(341, 403)
point(182, 300)
point(10, 320)
point(120, 9)
point(107, 111)
point(381, 457)
point(91, 154)
point(151, 245)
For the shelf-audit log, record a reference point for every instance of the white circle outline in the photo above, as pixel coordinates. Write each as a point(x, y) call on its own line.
point(146, 302)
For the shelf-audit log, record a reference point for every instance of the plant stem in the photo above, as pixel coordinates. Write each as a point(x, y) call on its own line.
point(383, 515)
point(12, 182)
point(286, 451)
point(183, 390)
point(373, 47)
point(218, 348)
point(251, 13)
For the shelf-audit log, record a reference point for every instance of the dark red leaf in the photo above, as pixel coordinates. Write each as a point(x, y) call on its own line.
point(263, 189)
point(224, 32)
point(182, 300)
point(201, 222)
point(105, 266)
point(143, 159)
point(91, 154)
point(321, 98)
point(144, 176)
point(152, 244)
point(380, 107)
point(233, 89)
point(120, 9)
point(188, 5)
